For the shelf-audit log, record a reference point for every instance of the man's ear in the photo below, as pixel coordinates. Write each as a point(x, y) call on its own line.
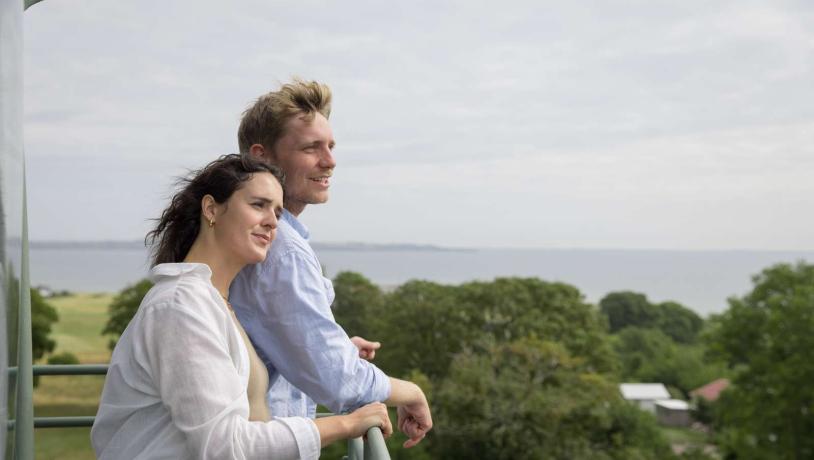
point(258, 152)
point(209, 209)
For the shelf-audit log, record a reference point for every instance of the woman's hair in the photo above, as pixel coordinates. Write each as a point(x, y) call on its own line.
point(179, 224)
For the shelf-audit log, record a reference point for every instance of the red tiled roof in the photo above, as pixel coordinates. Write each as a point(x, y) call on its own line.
point(712, 390)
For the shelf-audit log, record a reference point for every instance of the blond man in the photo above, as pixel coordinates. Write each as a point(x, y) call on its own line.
point(284, 302)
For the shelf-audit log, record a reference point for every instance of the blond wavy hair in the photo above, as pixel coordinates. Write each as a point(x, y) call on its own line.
point(263, 122)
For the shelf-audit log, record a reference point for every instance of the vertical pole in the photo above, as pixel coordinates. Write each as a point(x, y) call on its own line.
point(356, 449)
point(24, 430)
point(375, 447)
point(11, 177)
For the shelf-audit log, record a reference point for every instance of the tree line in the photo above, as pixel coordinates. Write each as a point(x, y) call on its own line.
point(525, 368)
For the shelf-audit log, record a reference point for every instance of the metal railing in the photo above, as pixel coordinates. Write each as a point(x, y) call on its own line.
point(373, 449)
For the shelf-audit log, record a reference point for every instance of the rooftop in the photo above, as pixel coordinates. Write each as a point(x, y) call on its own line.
point(712, 390)
point(637, 391)
point(673, 404)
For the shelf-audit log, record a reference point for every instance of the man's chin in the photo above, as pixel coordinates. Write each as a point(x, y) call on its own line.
point(319, 199)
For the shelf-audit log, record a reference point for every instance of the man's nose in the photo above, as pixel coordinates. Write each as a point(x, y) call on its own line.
point(327, 160)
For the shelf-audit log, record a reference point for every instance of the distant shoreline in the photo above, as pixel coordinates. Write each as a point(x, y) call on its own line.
point(365, 247)
point(137, 245)
point(701, 280)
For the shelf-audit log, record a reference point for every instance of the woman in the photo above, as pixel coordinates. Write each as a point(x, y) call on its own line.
point(184, 381)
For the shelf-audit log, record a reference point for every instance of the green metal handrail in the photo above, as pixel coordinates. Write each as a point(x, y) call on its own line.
point(374, 449)
point(63, 369)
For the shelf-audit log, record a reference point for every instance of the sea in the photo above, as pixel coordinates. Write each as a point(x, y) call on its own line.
point(700, 280)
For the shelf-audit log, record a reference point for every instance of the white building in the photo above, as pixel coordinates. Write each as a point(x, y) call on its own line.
point(645, 394)
point(673, 412)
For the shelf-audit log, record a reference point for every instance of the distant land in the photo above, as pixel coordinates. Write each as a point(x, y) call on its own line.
point(376, 247)
point(699, 279)
point(351, 246)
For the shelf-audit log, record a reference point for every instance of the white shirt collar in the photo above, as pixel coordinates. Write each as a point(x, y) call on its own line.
point(177, 269)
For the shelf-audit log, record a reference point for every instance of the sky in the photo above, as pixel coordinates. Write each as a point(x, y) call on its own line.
point(684, 125)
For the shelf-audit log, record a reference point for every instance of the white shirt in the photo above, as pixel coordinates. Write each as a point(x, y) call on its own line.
point(176, 386)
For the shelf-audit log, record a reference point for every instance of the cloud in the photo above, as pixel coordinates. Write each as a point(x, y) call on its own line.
point(622, 121)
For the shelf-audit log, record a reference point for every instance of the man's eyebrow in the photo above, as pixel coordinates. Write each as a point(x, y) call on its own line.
point(310, 143)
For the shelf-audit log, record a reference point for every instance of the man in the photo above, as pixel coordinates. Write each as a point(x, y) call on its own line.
point(284, 302)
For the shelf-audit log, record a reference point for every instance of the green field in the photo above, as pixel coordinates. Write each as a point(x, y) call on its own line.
point(81, 319)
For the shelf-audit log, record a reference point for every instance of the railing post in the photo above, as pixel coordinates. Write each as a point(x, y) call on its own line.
point(24, 409)
point(356, 449)
point(375, 448)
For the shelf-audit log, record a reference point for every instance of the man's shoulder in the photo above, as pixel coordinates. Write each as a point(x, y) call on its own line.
point(287, 241)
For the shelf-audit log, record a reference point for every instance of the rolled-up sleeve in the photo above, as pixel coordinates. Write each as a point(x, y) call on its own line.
point(187, 355)
point(291, 324)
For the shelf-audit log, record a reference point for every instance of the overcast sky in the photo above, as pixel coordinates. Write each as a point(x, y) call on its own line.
point(676, 125)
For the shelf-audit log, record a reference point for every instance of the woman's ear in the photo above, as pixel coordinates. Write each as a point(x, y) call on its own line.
point(209, 210)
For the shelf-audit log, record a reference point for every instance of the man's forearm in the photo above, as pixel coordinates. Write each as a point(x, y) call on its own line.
point(404, 393)
point(414, 418)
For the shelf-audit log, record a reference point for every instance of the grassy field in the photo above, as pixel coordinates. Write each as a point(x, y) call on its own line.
point(81, 319)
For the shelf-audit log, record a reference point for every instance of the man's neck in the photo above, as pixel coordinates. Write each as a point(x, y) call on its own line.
point(295, 208)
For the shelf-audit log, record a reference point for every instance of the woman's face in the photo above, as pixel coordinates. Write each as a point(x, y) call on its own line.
point(246, 224)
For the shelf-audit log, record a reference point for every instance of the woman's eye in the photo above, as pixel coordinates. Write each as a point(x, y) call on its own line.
point(258, 205)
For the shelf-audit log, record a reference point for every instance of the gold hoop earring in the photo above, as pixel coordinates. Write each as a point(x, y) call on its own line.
point(211, 223)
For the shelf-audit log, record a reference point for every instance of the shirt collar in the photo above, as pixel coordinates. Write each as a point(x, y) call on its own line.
point(177, 269)
point(292, 220)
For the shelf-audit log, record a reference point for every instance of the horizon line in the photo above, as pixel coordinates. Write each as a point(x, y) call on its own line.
point(339, 245)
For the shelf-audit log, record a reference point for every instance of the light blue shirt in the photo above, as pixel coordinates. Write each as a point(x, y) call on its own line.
point(284, 304)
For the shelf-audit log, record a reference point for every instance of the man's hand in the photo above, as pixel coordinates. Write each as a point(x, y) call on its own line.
point(367, 349)
point(415, 421)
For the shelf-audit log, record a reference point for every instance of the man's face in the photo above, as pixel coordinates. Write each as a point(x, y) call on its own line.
point(304, 153)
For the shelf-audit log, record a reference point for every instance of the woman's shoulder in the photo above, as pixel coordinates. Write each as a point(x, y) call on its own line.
point(183, 287)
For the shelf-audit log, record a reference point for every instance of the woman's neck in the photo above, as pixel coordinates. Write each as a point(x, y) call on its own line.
point(223, 272)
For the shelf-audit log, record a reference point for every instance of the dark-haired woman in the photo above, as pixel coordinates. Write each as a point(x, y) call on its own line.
point(184, 381)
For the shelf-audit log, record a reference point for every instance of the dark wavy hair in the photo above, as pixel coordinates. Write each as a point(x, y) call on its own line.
point(179, 224)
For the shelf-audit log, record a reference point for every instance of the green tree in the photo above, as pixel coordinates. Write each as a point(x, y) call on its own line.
point(356, 304)
point(123, 308)
point(530, 399)
point(678, 322)
point(425, 324)
point(421, 327)
point(66, 357)
point(766, 337)
point(643, 354)
point(627, 308)
point(508, 309)
point(650, 355)
point(43, 315)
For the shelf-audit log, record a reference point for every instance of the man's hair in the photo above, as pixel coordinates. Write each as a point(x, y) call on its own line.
point(263, 122)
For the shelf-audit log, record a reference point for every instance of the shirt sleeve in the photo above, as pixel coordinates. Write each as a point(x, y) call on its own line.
point(292, 327)
point(187, 355)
